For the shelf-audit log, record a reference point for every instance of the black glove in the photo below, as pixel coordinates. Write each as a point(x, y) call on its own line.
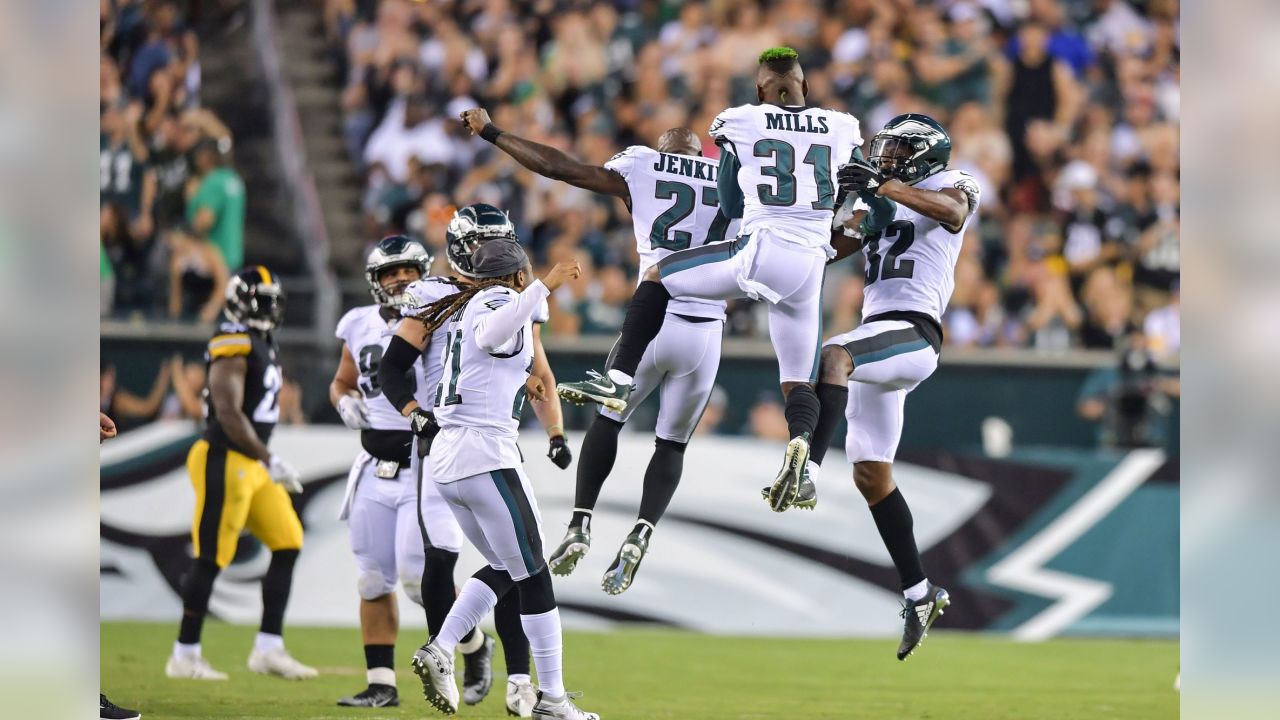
point(858, 176)
point(423, 424)
point(559, 452)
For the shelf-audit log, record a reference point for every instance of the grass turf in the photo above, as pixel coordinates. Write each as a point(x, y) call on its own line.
point(658, 675)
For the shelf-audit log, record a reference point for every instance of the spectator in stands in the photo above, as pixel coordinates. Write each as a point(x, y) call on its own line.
point(126, 408)
point(766, 420)
point(216, 211)
point(197, 277)
point(1131, 401)
point(125, 180)
point(186, 400)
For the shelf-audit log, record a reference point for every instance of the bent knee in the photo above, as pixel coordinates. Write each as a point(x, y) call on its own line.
point(873, 479)
point(413, 588)
point(836, 366)
point(372, 585)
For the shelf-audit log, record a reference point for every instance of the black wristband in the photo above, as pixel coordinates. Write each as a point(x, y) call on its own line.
point(490, 132)
point(395, 372)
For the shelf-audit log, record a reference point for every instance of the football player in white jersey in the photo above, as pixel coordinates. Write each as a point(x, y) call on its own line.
point(672, 195)
point(469, 228)
point(381, 502)
point(867, 373)
point(776, 174)
point(478, 466)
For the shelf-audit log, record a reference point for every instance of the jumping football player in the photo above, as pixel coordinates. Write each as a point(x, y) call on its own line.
point(470, 227)
point(381, 505)
point(239, 482)
point(867, 373)
point(775, 173)
point(671, 192)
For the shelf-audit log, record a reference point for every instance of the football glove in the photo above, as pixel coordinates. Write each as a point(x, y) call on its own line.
point(355, 414)
point(559, 452)
point(282, 473)
point(424, 425)
point(857, 176)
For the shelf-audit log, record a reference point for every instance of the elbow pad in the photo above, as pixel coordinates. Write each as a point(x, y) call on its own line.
point(395, 372)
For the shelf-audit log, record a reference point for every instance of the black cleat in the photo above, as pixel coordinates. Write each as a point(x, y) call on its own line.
point(110, 711)
point(374, 696)
point(919, 617)
point(477, 673)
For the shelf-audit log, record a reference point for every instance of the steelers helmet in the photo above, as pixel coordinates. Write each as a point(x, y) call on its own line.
point(255, 299)
point(911, 147)
point(470, 226)
point(392, 251)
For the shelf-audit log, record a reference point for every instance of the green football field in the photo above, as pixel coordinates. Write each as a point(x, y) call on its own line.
point(654, 675)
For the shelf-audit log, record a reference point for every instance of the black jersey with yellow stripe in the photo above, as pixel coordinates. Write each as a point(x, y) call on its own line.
point(262, 380)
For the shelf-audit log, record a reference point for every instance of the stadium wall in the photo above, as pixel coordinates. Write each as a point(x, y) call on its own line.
point(1042, 543)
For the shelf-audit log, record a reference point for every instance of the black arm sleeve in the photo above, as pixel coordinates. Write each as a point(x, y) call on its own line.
point(395, 373)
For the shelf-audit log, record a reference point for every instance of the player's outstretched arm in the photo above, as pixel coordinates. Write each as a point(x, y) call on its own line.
point(949, 206)
point(545, 160)
point(226, 392)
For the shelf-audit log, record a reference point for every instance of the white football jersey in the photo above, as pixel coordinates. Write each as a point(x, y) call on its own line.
point(912, 264)
point(424, 292)
point(481, 395)
point(788, 157)
point(674, 206)
point(366, 334)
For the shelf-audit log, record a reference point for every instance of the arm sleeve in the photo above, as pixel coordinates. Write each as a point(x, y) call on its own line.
point(395, 372)
point(498, 326)
point(731, 200)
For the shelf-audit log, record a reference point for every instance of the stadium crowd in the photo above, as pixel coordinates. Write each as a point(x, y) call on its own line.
point(1066, 110)
point(172, 207)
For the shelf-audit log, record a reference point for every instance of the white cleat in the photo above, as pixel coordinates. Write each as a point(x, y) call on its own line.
point(435, 669)
point(191, 668)
point(562, 709)
point(278, 661)
point(521, 697)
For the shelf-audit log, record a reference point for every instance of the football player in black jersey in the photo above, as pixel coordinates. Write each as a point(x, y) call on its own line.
point(239, 483)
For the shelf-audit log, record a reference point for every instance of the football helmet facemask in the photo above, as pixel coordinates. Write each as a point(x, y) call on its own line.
point(390, 252)
point(911, 147)
point(255, 299)
point(471, 226)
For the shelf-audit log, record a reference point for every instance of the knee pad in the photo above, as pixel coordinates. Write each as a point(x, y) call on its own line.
point(413, 588)
point(372, 585)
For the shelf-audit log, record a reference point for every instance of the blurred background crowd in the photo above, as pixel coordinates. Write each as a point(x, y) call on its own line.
point(171, 205)
point(1066, 111)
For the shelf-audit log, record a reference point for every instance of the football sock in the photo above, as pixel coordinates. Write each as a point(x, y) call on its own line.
point(543, 631)
point(195, 600)
point(832, 400)
point(185, 650)
point(893, 520)
point(802, 411)
point(275, 590)
point(644, 318)
point(437, 586)
point(380, 661)
point(266, 642)
point(916, 592)
point(661, 479)
point(595, 462)
point(515, 646)
point(473, 603)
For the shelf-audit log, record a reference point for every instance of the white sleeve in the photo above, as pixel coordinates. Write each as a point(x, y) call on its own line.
point(499, 320)
point(344, 325)
point(720, 130)
point(422, 293)
point(624, 162)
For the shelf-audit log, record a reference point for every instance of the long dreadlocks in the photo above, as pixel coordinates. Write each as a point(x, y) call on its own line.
point(439, 312)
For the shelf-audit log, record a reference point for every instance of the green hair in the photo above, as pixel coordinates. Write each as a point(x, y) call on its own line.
point(780, 53)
